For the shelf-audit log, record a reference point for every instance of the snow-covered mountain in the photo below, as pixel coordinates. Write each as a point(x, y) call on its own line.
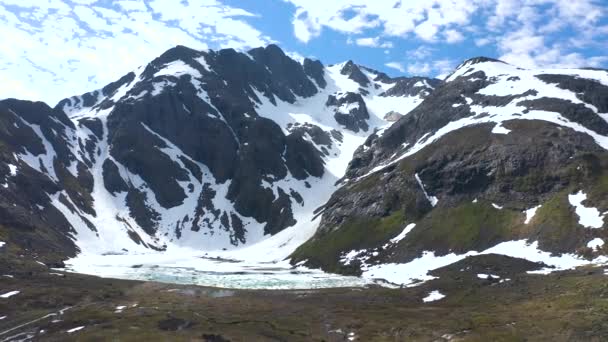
point(256, 156)
point(205, 149)
point(497, 160)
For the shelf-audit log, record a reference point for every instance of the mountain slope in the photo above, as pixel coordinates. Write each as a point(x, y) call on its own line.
point(497, 160)
point(203, 149)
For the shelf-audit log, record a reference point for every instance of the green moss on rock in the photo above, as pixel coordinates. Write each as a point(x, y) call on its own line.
point(468, 226)
point(357, 233)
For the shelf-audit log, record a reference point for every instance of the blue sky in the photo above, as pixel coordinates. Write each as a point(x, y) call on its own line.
point(57, 48)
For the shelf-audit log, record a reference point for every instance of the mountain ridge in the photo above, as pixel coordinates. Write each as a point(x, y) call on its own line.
point(255, 156)
point(193, 115)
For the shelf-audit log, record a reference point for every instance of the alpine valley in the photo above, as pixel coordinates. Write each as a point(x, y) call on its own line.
point(245, 196)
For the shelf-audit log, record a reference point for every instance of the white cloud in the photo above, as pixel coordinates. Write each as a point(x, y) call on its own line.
point(438, 68)
point(483, 41)
point(503, 23)
point(453, 36)
point(421, 52)
point(373, 42)
point(426, 19)
point(53, 47)
point(396, 66)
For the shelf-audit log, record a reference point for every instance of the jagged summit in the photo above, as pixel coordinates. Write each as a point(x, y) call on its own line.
point(480, 59)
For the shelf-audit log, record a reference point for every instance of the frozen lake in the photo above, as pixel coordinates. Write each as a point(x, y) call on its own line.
point(209, 271)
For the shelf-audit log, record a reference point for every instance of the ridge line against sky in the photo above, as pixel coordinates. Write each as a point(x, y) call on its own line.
point(58, 48)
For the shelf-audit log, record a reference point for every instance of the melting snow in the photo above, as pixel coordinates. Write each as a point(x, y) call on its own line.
point(433, 296)
point(499, 129)
point(9, 294)
point(177, 68)
point(496, 206)
point(486, 276)
point(405, 231)
point(13, 169)
point(588, 216)
point(413, 272)
point(75, 329)
point(530, 214)
point(432, 199)
point(2, 243)
point(595, 244)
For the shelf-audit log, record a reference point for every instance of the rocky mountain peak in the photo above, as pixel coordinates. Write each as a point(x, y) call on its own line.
point(353, 72)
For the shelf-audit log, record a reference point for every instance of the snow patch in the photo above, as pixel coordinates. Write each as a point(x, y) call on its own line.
point(178, 68)
point(416, 271)
point(75, 329)
point(13, 169)
point(9, 294)
point(530, 214)
point(433, 296)
point(499, 129)
point(595, 244)
point(402, 235)
point(432, 199)
point(486, 276)
point(588, 216)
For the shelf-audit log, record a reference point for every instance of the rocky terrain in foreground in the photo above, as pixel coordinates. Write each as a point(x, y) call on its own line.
point(563, 306)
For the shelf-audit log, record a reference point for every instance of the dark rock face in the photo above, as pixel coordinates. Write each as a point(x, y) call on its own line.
point(112, 178)
point(314, 69)
point(27, 218)
point(412, 86)
point(534, 164)
point(350, 111)
point(354, 73)
point(589, 91)
point(575, 112)
point(287, 73)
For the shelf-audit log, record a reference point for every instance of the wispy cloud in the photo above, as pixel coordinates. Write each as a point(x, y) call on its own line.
point(53, 48)
point(396, 66)
point(532, 33)
point(374, 42)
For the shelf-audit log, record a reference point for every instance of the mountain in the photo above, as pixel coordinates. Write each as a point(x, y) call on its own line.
point(205, 149)
point(497, 160)
point(229, 165)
